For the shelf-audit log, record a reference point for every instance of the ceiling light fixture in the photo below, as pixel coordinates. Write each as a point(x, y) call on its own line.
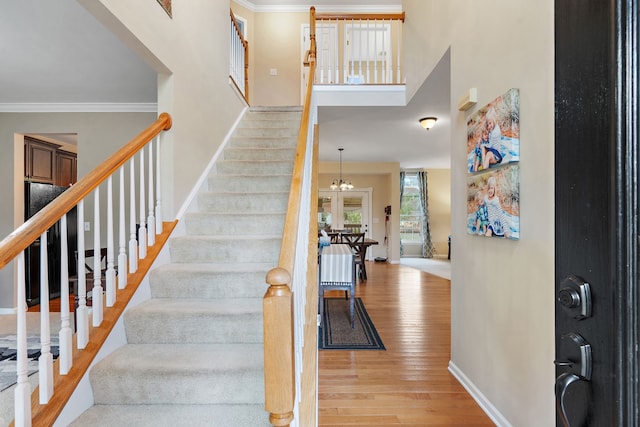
point(340, 184)
point(428, 122)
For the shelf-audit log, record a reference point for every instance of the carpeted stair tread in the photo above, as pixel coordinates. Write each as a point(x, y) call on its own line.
point(247, 202)
point(180, 374)
point(263, 142)
point(254, 168)
point(237, 320)
point(225, 249)
point(212, 223)
point(210, 280)
point(174, 415)
point(240, 183)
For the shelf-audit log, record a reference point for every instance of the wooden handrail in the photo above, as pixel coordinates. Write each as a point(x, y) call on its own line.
point(28, 232)
point(279, 359)
point(360, 16)
point(245, 44)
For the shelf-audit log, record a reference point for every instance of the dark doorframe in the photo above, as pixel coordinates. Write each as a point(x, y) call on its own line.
point(597, 224)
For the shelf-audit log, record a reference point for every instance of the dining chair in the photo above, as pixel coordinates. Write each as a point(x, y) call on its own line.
point(336, 272)
point(356, 242)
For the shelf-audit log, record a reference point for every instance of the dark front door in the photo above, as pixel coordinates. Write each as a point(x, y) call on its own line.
point(596, 251)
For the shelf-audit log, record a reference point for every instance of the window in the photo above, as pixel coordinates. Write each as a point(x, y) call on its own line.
point(410, 212)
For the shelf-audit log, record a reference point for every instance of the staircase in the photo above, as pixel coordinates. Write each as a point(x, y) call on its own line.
point(194, 355)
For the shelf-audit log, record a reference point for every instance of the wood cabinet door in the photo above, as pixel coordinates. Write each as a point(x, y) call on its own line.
point(40, 165)
point(66, 168)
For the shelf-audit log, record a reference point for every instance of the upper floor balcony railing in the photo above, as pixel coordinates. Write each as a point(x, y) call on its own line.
point(359, 48)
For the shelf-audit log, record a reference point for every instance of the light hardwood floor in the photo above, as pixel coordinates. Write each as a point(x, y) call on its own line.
point(408, 384)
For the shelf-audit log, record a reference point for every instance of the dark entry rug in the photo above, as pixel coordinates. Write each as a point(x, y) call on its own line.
point(8, 356)
point(336, 333)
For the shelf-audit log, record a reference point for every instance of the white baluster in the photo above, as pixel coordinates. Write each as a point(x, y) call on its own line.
point(66, 346)
point(22, 392)
point(133, 243)
point(360, 52)
point(142, 231)
point(158, 192)
point(122, 255)
point(110, 274)
point(96, 293)
point(352, 50)
point(368, 80)
point(45, 361)
point(399, 26)
point(375, 49)
point(82, 312)
point(151, 219)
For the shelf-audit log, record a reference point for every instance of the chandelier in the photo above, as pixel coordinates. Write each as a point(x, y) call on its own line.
point(341, 184)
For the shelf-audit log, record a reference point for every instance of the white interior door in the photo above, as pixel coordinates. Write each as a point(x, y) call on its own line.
point(327, 67)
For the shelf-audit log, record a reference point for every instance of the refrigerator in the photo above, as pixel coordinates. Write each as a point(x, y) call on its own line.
point(36, 197)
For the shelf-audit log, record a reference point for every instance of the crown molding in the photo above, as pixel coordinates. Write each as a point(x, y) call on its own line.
point(324, 9)
point(88, 107)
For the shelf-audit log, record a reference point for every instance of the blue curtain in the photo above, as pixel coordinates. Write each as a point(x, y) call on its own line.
point(427, 244)
point(402, 174)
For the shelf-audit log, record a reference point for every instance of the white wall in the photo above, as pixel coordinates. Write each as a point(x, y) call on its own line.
point(502, 291)
point(190, 52)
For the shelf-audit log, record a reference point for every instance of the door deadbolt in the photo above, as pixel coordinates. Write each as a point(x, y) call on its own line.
point(575, 297)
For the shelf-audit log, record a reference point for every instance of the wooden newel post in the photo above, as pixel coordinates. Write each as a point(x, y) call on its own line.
point(279, 379)
point(312, 35)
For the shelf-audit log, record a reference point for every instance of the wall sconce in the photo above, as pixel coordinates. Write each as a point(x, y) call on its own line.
point(428, 122)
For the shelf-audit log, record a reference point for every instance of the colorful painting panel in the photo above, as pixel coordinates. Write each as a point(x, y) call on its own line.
point(493, 202)
point(493, 133)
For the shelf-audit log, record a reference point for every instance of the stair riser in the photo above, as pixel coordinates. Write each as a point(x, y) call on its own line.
point(263, 142)
point(266, 132)
point(266, 203)
point(178, 283)
point(271, 115)
point(257, 184)
point(252, 154)
point(186, 250)
point(176, 328)
point(167, 388)
point(237, 167)
point(269, 123)
point(214, 223)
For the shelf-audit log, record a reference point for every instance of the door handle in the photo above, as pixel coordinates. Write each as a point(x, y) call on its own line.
point(567, 386)
point(572, 386)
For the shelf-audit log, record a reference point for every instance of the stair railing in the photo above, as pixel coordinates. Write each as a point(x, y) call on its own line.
point(239, 59)
point(371, 49)
point(145, 223)
point(285, 302)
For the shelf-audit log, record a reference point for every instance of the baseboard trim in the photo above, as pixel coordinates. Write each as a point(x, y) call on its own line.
point(491, 411)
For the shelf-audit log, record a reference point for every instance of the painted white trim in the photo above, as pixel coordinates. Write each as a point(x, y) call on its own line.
point(305, 8)
point(491, 411)
point(361, 95)
point(4, 311)
point(79, 107)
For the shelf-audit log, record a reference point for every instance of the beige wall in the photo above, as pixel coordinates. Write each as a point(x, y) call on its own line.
point(190, 52)
point(277, 47)
point(502, 330)
point(99, 135)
